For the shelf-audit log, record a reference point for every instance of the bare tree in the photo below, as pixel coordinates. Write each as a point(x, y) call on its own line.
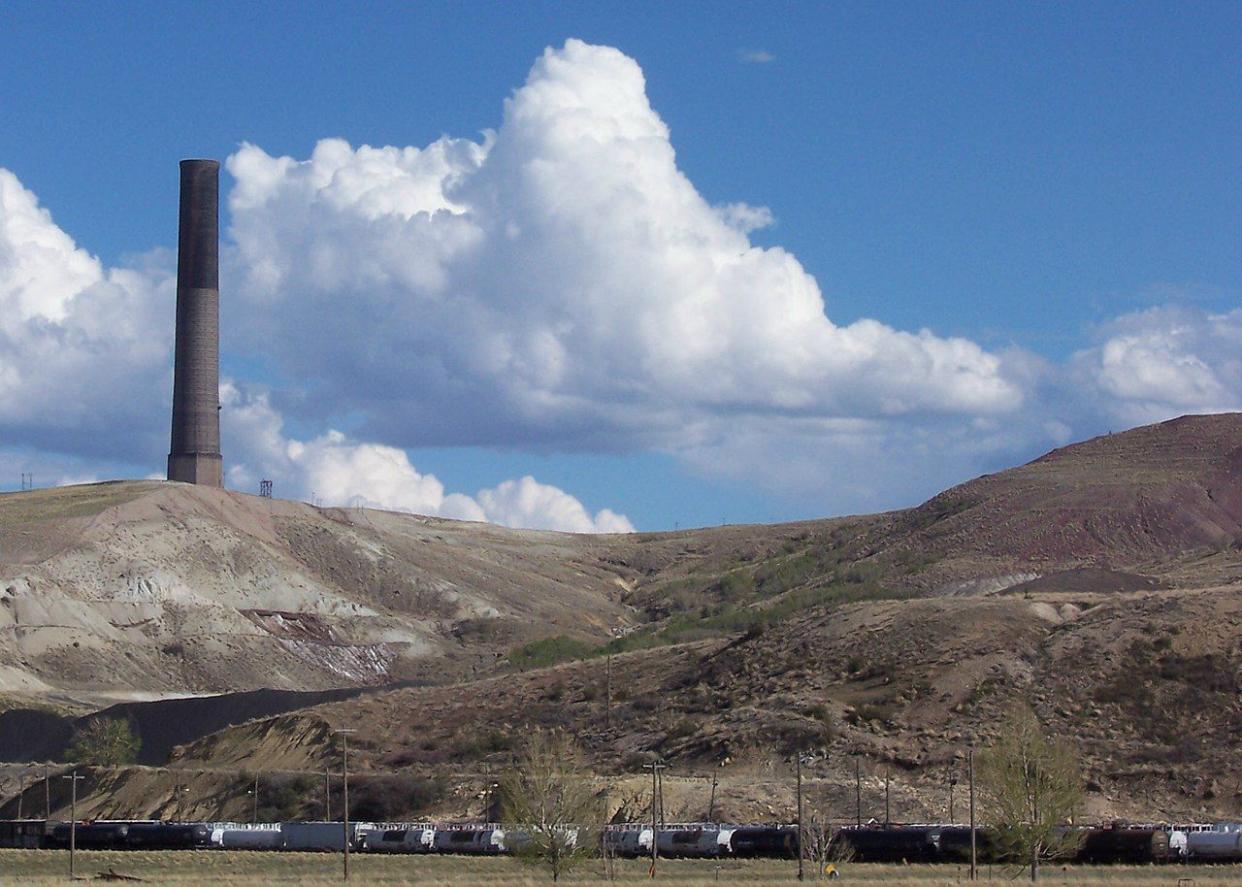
point(550, 805)
point(1032, 789)
point(826, 854)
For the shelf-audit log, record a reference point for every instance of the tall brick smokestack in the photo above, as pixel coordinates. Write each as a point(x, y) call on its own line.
point(195, 453)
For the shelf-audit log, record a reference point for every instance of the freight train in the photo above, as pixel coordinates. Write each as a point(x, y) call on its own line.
point(911, 843)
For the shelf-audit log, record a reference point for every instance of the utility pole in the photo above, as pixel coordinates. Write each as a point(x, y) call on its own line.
point(608, 691)
point(887, 773)
point(952, 783)
point(801, 854)
point(344, 734)
point(660, 791)
point(327, 795)
point(711, 805)
point(73, 822)
point(858, 792)
point(47, 792)
point(179, 793)
point(970, 763)
point(254, 818)
point(487, 792)
point(21, 794)
point(655, 767)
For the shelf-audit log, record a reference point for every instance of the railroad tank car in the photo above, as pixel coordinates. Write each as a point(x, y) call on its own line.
point(91, 835)
point(749, 841)
point(25, 834)
point(628, 841)
point(514, 839)
point(694, 841)
point(413, 839)
point(955, 844)
point(167, 836)
point(320, 836)
point(471, 839)
point(243, 838)
point(1129, 845)
point(1218, 846)
point(893, 844)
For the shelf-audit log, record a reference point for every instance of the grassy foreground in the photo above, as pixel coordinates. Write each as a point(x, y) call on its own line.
point(222, 868)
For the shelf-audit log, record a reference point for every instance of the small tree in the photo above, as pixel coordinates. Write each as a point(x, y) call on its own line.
point(1031, 788)
point(825, 853)
point(549, 802)
point(104, 742)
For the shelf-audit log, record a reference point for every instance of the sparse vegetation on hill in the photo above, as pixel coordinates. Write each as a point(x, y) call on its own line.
point(1099, 583)
point(550, 651)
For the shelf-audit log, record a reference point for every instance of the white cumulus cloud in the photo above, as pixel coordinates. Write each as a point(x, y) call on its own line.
point(336, 470)
point(561, 282)
point(85, 351)
point(528, 503)
point(1160, 363)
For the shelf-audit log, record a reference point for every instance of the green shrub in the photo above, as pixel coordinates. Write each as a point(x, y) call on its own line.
point(549, 651)
point(104, 742)
point(282, 796)
point(736, 584)
point(392, 798)
point(483, 743)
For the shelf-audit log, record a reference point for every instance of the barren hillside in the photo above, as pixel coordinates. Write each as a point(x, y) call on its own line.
point(1101, 583)
point(133, 590)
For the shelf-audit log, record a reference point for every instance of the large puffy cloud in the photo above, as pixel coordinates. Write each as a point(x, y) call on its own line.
point(41, 269)
point(1166, 361)
point(559, 282)
point(528, 503)
point(335, 470)
point(85, 351)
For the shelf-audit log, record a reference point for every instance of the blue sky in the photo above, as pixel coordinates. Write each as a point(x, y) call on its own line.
point(1056, 184)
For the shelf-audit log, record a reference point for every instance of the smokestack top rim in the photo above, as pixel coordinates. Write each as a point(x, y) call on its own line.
point(200, 161)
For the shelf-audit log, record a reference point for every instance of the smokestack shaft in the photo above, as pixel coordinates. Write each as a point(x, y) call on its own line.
point(194, 456)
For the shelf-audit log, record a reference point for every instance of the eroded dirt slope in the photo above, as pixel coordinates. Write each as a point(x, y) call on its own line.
point(1145, 684)
point(145, 589)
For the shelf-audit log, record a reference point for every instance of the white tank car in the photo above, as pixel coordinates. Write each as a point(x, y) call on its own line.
point(1214, 845)
point(400, 839)
point(473, 839)
point(629, 842)
point(695, 841)
point(242, 838)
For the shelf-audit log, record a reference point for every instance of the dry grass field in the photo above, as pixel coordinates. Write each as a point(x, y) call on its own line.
point(223, 868)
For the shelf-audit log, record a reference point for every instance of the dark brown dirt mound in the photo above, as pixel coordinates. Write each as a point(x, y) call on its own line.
point(31, 735)
point(1088, 580)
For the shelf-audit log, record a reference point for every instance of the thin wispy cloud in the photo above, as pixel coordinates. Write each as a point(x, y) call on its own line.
point(755, 56)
